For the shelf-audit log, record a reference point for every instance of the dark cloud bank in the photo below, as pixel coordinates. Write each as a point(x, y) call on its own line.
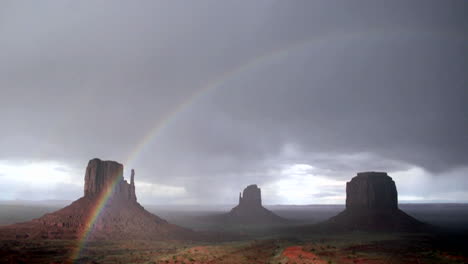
point(342, 86)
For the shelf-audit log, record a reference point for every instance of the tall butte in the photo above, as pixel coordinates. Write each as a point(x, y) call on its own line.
point(372, 204)
point(108, 210)
point(104, 176)
point(250, 209)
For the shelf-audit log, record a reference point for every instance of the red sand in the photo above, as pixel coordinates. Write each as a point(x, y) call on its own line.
point(298, 255)
point(199, 249)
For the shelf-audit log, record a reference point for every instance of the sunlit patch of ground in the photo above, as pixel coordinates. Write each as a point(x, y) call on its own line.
point(296, 254)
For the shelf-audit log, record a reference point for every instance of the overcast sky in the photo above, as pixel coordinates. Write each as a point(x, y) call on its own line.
point(202, 98)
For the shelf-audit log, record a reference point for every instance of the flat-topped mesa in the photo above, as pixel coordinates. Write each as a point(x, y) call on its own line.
point(101, 176)
point(371, 191)
point(251, 197)
point(372, 204)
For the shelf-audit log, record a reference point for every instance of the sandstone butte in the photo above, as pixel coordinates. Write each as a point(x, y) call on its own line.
point(250, 209)
point(121, 216)
point(372, 204)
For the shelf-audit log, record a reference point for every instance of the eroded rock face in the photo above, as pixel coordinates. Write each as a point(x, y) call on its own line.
point(251, 197)
point(101, 176)
point(372, 191)
point(110, 215)
point(372, 204)
point(250, 209)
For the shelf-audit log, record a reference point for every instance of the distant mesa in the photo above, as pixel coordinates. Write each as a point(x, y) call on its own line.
point(372, 204)
point(108, 210)
point(250, 209)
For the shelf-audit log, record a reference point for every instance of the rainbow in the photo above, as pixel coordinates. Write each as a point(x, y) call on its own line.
point(92, 218)
point(252, 64)
point(156, 129)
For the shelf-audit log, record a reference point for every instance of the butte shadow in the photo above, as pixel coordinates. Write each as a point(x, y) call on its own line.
point(108, 210)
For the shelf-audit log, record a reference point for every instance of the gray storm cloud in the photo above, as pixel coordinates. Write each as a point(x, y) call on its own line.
point(341, 86)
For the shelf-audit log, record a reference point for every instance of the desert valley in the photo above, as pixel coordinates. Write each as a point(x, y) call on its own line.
point(234, 132)
point(108, 225)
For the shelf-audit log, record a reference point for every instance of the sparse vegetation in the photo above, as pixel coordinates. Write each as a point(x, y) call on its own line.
point(302, 247)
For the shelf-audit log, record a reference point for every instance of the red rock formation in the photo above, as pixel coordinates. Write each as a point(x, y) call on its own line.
point(250, 209)
point(372, 204)
point(102, 175)
point(132, 194)
point(371, 190)
point(252, 197)
point(120, 217)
